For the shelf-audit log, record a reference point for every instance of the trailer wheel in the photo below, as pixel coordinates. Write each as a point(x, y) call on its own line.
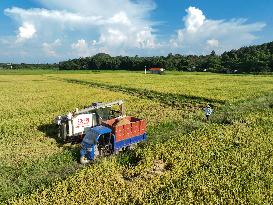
point(131, 147)
point(84, 160)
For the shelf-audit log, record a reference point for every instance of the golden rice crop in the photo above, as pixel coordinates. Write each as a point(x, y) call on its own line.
point(218, 164)
point(186, 160)
point(28, 102)
point(228, 88)
point(28, 105)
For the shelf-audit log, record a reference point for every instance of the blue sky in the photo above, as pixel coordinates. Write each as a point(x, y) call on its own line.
point(40, 31)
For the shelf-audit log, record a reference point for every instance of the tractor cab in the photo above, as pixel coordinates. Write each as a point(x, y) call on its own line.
point(98, 141)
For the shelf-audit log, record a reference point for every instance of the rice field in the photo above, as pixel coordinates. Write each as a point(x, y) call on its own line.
point(228, 88)
point(185, 160)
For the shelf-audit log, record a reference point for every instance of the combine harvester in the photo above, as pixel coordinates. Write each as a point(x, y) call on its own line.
point(103, 130)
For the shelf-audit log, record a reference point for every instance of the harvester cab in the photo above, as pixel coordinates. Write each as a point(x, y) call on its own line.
point(75, 125)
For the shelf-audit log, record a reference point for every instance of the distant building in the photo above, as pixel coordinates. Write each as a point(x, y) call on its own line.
point(9, 64)
point(156, 70)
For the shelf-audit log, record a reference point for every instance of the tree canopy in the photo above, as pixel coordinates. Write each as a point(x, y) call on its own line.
point(244, 60)
point(252, 59)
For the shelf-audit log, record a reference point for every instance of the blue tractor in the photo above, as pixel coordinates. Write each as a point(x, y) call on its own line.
point(109, 138)
point(97, 142)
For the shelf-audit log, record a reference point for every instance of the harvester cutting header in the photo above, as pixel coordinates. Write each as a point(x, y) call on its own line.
point(104, 130)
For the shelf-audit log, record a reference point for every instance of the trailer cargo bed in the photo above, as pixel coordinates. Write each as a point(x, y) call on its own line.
point(135, 129)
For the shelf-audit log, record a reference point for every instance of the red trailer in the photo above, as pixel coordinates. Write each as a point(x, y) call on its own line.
point(132, 131)
point(111, 136)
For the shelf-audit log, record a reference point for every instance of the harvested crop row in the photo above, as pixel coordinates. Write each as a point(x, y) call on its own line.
point(170, 99)
point(230, 88)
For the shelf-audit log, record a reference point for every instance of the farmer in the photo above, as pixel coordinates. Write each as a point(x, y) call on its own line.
point(208, 111)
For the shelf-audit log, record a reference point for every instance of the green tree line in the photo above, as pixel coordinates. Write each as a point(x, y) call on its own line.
point(254, 59)
point(29, 66)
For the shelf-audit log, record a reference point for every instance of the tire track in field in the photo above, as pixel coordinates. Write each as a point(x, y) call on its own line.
point(169, 99)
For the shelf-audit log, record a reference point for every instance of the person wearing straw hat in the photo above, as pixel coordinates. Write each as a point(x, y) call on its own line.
point(208, 112)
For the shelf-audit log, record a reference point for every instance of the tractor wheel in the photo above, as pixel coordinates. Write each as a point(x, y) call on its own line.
point(116, 151)
point(84, 160)
point(131, 147)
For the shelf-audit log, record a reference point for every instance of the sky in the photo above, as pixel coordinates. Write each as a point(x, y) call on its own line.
point(48, 31)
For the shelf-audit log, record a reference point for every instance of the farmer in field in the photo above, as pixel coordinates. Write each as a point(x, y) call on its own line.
point(208, 112)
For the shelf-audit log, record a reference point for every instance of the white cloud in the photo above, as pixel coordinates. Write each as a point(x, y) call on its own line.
point(145, 39)
point(105, 8)
point(120, 17)
point(40, 16)
point(81, 47)
point(117, 38)
point(194, 20)
point(26, 31)
point(200, 35)
point(112, 37)
point(213, 43)
point(119, 27)
point(49, 48)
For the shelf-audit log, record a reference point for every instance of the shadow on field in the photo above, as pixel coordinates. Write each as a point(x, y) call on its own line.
point(51, 131)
